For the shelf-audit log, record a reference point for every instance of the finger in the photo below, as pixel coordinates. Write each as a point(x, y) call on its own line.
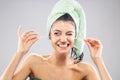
point(31, 37)
point(90, 44)
point(32, 41)
point(93, 43)
point(19, 30)
point(87, 43)
point(28, 32)
point(91, 39)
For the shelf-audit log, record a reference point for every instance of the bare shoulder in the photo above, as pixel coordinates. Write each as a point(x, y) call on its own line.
point(88, 70)
point(86, 67)
point(84, 64)
point(34, 57)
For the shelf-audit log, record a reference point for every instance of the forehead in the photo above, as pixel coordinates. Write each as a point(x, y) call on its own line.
point(63, 25)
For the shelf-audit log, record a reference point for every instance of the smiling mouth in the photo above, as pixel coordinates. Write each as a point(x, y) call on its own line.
point(63, 45)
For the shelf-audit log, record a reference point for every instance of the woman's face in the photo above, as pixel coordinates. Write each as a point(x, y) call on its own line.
point(62, 36)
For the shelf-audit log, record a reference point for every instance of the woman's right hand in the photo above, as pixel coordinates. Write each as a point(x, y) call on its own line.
point(26, 40)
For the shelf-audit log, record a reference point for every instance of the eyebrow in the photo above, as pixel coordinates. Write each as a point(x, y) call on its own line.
point(67, 31)
point(56, 30)
point(70, 31)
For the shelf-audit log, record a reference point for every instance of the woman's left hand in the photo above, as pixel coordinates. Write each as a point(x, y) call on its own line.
point(95, 47)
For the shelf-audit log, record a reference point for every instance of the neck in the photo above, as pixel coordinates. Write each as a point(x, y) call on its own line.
point(60, 59)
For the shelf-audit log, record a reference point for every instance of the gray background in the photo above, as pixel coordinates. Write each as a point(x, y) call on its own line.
point(103, 22)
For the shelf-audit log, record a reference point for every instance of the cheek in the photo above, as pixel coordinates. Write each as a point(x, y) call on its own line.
point(54, 40)
point(53, 43)
point(72, 41)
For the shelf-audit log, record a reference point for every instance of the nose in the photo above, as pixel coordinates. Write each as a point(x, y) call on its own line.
point(63, 38)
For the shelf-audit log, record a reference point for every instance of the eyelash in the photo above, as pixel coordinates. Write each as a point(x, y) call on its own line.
point(69, 34)
point(56, 33)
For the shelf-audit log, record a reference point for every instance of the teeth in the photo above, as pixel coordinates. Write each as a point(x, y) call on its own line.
point(63, 46)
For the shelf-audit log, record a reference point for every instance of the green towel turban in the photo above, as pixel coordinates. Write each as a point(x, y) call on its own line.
point(73, 8)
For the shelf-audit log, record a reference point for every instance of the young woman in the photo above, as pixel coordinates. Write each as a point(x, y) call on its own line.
point(58, 65)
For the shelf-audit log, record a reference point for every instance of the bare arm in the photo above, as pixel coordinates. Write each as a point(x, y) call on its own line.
point(24, 70)
point(25, 42)
point(95, 47)
point(8, 73)
point(92, 74)
point(102, 69)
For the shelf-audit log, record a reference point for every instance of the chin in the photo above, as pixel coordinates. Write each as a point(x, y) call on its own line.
point(64, 52)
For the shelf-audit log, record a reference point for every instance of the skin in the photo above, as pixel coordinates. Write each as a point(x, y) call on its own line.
point(58, 65)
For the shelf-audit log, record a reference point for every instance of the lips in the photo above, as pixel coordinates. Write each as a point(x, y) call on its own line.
point(63, 45)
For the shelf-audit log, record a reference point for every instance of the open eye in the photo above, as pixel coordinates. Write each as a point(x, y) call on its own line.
point(57, 33)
